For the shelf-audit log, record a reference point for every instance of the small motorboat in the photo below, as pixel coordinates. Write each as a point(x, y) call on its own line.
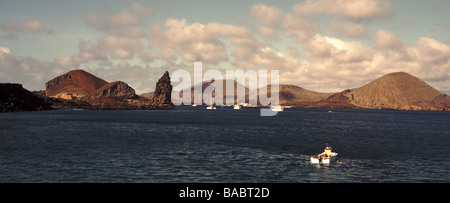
point(277, 108)
point(211, 107)
point(326, 157)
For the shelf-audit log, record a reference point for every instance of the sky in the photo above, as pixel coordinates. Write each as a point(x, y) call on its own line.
point(320, 45)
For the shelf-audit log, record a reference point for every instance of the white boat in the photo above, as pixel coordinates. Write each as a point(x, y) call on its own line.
point(236, 106)
point(210, 107)
point(277, 108)
point(326, 157)
point(194, 105)
point(320, 159)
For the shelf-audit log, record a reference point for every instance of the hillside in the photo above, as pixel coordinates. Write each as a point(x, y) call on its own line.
point(81, 89)
point(229, 95)
point(393, 91)
point(117, 89)
point(76, 82)
point(13, 97)
point(291, 95)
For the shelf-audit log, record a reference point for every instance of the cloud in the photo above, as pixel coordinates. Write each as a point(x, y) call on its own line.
point(32, 25)
point(192, 42)
point(92, 19)
point(432, 52)
point(349, 30)
point(30, 72)
point(333, 64)
point(386, 40)
point(351, 9)
point(123, 36)
point(4, 51)
point(272, 16)
point(391, 46)
point(118, 47)
point(141, 10)
point(329, 63)
point(88, 52)
point(126, 23)
point(302, 28)
point(329, 58)
point(328, 48)
point(302, 20)
point(269, 20)
point(213, 43)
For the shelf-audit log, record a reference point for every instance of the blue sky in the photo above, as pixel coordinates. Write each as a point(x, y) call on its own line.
point(321, 45)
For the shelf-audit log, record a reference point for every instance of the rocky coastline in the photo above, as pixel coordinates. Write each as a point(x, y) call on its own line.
point(14, 98)
point(80, 90)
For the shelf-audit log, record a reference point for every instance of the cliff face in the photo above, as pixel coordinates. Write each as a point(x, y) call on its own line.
point(114, 95)
point(162, 96)
point(13, 97)
point(118, 89)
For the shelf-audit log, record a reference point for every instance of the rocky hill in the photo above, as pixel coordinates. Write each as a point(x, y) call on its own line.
point(291, 95)
point(162, 96)
point(13, 98)
point(75, 82)
point(229, 95)
point(394, 91)
point(117, 89)
point(441, 102)
point(79, 88)
point(337, 100)
point(399, 90)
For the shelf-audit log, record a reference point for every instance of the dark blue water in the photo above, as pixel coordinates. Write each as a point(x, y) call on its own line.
point(192, 144)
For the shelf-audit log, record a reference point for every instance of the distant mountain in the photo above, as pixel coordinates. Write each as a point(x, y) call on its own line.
point(229, 95)
point(148, 95)
point(394, 91)
point(291, 95)
point(337, 100)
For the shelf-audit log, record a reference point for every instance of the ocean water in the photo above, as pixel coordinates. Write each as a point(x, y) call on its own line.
point(192, 144)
